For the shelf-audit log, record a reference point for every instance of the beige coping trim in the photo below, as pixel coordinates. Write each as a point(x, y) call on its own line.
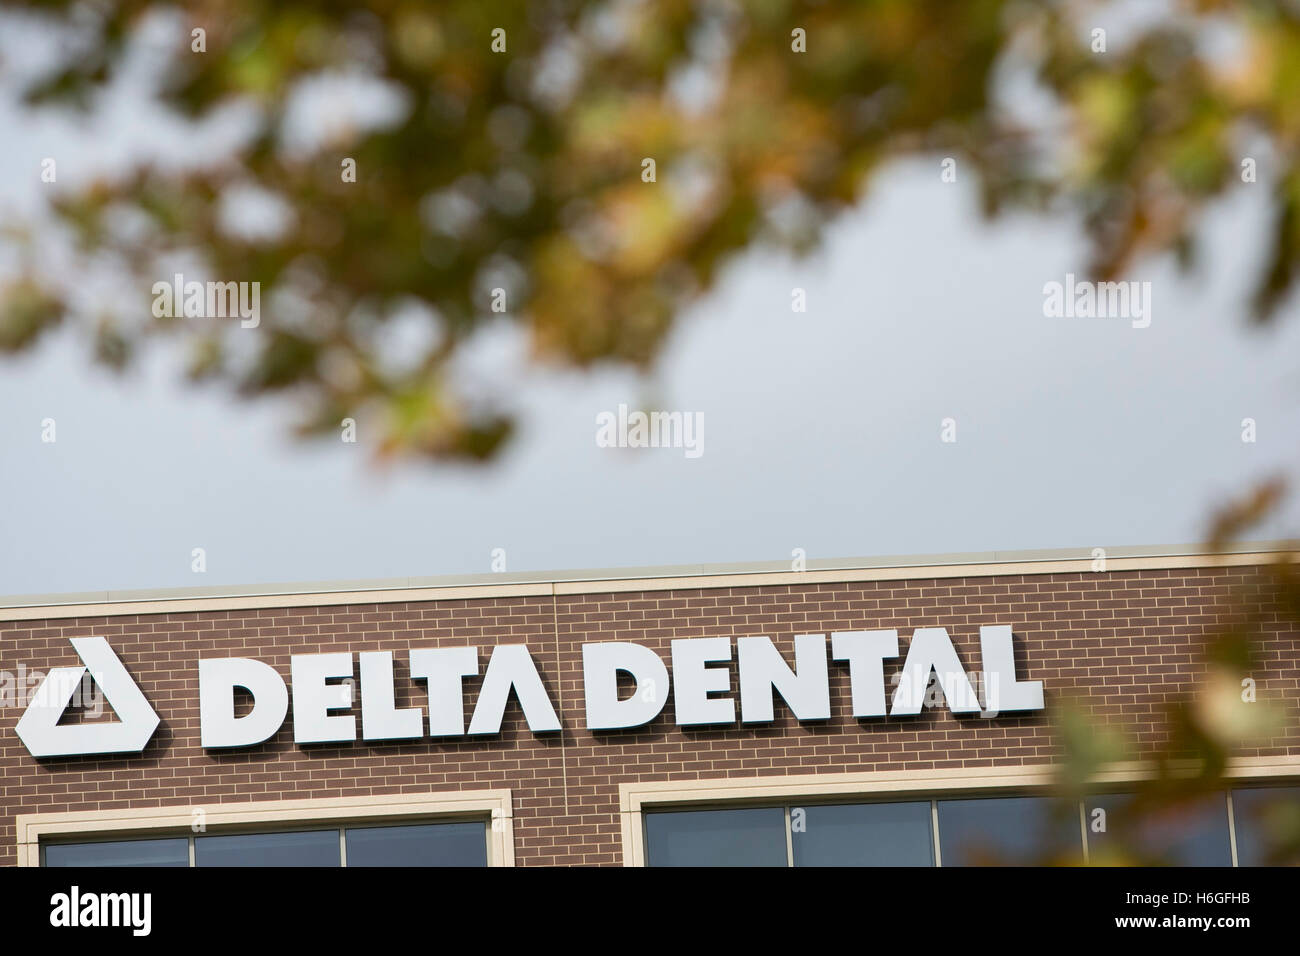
point(391, 595)
point(140, 821)
point(634, 797)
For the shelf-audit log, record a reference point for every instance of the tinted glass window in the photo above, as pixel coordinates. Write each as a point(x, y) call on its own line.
point(301, 848)
point(1008, 830)
point(440, 844)
point(169, 852)
point(747, 837)
point(864, 834)
point(1195, 834)
point(1262, 817)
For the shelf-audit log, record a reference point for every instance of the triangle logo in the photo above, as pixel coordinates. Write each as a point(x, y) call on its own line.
point(39, 727)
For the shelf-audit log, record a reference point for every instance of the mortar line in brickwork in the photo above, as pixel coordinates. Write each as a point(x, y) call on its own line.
point(559, 690)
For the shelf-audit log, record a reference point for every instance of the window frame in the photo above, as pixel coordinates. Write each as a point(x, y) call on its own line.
point(493, 807)
point(639, 798)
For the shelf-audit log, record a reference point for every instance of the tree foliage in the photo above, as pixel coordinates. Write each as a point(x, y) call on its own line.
point(521, 169)
point(1184, 754)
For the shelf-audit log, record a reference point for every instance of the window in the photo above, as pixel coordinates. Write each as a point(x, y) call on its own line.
point(971, 832)
point(459, 843)
point(169, 852)
point(974, 831)
point(863, 834)
point(998, 830)
point(295, 848)
point(1192, 835)
point(743, 837)
point(424, 828)
point(451, 844)
point(1261, 817)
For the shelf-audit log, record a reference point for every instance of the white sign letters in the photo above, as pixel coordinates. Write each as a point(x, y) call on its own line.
point(319, 692)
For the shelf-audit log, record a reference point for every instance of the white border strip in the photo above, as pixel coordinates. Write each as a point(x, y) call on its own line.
point(402, 595)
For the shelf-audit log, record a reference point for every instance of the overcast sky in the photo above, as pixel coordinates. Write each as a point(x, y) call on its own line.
point(822, 430)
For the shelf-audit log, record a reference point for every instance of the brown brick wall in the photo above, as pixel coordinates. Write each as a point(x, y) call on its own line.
point(1125, 642)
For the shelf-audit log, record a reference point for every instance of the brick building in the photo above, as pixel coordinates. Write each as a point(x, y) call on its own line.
point(351, 772)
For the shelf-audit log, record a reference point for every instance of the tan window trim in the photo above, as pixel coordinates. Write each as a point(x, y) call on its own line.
point(32, 828)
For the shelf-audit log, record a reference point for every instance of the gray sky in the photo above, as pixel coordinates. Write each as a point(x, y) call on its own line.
point(821, 430)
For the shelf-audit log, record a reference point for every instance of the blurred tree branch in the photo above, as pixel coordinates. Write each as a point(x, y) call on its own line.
point(1204, 727)
point(521, 170)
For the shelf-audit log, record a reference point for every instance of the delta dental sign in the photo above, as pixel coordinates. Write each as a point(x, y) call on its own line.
point(700, 683)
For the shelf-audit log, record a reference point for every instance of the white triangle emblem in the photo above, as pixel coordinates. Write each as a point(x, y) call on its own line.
point(39, 728)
